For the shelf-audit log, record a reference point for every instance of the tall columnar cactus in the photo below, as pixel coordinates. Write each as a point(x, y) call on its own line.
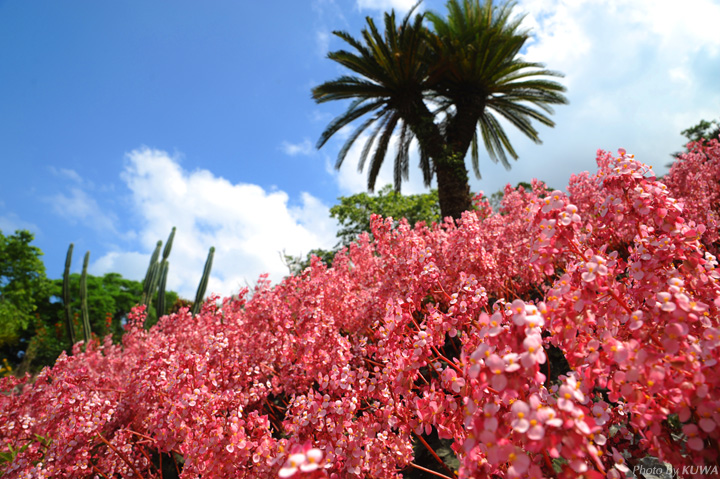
point(168, 245)
point(164, 265)
point(66, 297)
point(161, 288)
point(83, 299)
point(151, 276)
point(203, 282)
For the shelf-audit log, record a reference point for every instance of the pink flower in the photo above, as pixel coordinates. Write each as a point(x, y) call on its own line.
point(496, 364)
point(666, 302)
point(306, 461)
point(521, 412)
point(451, 378)
point(292, 465)
point(636, 320)
point(534, 352)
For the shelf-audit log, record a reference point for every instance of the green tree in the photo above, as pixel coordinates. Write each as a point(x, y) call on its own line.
point(443, 87)
point(353, 213)
point(110, 299)
point(22, 283)
point(704, 130)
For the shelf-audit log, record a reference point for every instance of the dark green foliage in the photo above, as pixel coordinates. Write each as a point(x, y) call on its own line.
point(297, 264)
point(704, 130)
point(23, 284)
point(707, 130)
point(39, 317)
point(202, 287)
point(353, 213)
point(109, 299)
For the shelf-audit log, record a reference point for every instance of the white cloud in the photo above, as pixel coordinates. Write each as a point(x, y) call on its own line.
point(637, 72)
point(10, 222)
point(351, 181)
point(67, 173)
point(248, 226)
point(131, 265)
point(322, 40)
point(80, 207)
point(386, 5)
point(304, 148)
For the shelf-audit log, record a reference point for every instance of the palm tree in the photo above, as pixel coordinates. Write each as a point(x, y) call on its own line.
point(443, 87)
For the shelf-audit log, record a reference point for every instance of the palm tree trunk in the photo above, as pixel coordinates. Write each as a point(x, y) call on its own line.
point(453, 186)
point(452, 175)
point(448, 158)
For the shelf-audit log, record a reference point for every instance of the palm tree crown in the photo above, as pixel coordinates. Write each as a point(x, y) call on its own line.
point(442, 87)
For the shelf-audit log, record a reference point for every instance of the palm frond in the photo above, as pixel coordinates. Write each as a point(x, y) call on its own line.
point(354, 111)
point(401, 156)
point(381, 149)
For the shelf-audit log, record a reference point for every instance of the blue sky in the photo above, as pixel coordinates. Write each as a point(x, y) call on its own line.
point(119, 120)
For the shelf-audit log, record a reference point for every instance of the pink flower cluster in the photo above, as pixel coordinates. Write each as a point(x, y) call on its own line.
point(451, 329)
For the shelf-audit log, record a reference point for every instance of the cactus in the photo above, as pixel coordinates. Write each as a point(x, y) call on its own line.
point(83, 299)
point(66, 297)
point(151, 276)
point(164, 265)
point(161, 289)
point(168, 245)
point(203, 282)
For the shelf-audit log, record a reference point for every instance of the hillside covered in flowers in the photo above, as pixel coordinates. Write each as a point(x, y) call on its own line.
point(568, 334)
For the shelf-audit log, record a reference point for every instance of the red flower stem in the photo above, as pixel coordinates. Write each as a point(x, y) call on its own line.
point(98, 471)
point(450, 363)
point(142, 451)
point(429, 471)
point(437, 458)
point(442, 290)
point(269, 407)
point(619, 301)
point(138, 434)
point(122, 456)
point(575, 249)
point(548, 462)
point(273, 419)
point(374, 362)
point(423, 378)
point(177, 469)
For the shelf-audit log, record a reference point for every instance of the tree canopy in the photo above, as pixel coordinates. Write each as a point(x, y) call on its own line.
point(22, 284)
point(707, 130)
point(32, 330)
point(353, 212)
point(109, 298)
